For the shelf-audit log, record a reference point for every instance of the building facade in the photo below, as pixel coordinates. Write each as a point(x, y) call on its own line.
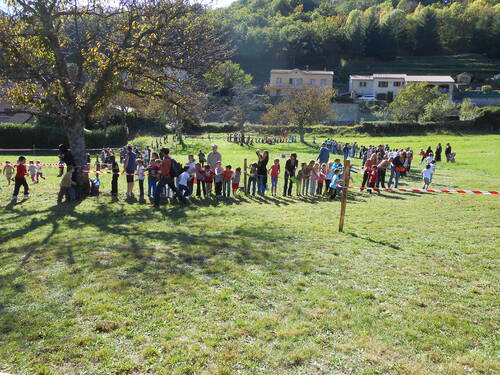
point(282, 82)
point(385, 86)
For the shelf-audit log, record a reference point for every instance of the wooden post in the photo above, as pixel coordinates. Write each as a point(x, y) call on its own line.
point(245, 174)
point(343, 201)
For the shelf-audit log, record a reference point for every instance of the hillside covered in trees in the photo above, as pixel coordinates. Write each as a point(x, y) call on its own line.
point(329, 33)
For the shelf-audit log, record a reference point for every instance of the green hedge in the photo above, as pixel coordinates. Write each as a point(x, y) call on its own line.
point(27, 135)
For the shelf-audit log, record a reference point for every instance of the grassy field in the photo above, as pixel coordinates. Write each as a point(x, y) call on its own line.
point(257, 285)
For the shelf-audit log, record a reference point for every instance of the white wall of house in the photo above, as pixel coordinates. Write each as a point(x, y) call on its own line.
point(380, 86)
point(361, 86)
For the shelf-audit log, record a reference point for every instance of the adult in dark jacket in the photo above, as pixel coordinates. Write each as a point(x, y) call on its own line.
point(447, 152)
point(437, 154)
point(324, 154)
point(290, 168)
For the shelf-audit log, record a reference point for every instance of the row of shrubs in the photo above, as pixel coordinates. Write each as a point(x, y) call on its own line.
point(29, 135)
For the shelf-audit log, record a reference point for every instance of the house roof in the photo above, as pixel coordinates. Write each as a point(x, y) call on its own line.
point(396, 76)
point(406, 77)
point(323, 72)
point(440, 79)
point(361, 77)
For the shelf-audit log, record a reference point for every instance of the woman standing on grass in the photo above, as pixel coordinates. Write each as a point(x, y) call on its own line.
point(437, 153)
point(290, 167)
point(115, 169)
point(262, 171)
point(368, 168)
point(381, 169)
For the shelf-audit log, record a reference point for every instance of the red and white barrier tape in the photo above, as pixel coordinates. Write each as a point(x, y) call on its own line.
point(455, 191)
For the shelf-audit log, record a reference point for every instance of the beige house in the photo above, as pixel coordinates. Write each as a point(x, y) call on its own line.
point(382, 86)
point(282, 82)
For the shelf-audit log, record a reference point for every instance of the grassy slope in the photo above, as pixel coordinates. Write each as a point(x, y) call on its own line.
point(258, 286)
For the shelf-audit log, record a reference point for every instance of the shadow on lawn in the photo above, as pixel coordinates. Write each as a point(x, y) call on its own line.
point(371, 240)
point(179, 247)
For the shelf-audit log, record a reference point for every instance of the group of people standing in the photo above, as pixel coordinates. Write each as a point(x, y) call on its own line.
point(166, 177)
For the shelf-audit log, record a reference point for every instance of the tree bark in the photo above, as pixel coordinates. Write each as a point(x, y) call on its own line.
point(76, 139)
point(242, 134)
point(300, 128)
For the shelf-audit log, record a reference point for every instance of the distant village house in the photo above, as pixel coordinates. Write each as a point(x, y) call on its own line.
point(282, 82)
point(387, 86)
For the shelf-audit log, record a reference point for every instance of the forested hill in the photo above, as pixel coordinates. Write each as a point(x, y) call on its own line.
point(332, 33)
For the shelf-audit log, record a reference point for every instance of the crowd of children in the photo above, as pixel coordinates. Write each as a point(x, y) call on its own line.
point(317, 177)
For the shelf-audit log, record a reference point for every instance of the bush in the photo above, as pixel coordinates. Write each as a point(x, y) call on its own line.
point(486, 88)
point(29, 135)
point(116, 135)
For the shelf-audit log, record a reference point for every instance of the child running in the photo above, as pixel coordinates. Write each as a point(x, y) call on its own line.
point(427, 176)
point(8, 171)
point(39, 172)
point(20, 179)
point(32, 172)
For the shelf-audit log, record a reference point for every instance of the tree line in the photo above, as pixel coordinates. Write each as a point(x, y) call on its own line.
point(318, 33)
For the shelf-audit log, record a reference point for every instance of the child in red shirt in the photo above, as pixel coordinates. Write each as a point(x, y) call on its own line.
point(227, 176)
point(372, 179)
point(274, 172)
point(321, 179)
point(20, 179)
point(209, 179)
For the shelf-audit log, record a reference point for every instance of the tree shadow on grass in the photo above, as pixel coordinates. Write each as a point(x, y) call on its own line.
point(371, 240)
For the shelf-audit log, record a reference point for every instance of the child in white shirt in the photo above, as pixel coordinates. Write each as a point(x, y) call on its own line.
point(140, 176)
point(183, 181)
point(427, 176)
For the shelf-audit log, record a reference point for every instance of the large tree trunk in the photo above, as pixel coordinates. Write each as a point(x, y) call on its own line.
point(300, 129)
point(75, 133)
point(242, 134)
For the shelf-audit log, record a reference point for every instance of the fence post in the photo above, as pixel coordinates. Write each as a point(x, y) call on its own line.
point(245, 174)
point(343, 201)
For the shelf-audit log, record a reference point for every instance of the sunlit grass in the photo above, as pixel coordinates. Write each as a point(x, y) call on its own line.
point(257, 286)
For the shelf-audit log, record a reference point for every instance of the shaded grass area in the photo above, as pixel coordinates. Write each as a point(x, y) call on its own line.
point(257, 285)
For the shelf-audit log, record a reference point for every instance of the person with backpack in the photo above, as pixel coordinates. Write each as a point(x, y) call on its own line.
point(170, 169)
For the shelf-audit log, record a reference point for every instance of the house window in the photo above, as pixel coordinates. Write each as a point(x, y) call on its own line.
point(322, 82)
point(290, 81)
point(298, 81)
point(383, 84)
point(312, 82)
point(278, 81)
point(396, 84)
point(362, 84)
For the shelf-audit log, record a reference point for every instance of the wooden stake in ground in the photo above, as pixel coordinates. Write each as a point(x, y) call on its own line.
point(245, 174)
point(343, 201)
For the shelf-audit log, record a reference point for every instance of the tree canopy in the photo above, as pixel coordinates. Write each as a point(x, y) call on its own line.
point(65, 59)
point(296, 33)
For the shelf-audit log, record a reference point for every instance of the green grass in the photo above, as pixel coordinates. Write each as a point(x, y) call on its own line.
point(257, 286)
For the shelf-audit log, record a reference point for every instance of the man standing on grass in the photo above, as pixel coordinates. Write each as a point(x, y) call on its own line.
point(324, 154)
point(214, 157)
point(130, 165)
point(166, 178)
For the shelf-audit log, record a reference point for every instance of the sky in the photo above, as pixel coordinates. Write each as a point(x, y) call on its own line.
point(216, 3)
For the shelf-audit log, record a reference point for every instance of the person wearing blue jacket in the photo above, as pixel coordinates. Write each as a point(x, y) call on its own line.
point(324, 154)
